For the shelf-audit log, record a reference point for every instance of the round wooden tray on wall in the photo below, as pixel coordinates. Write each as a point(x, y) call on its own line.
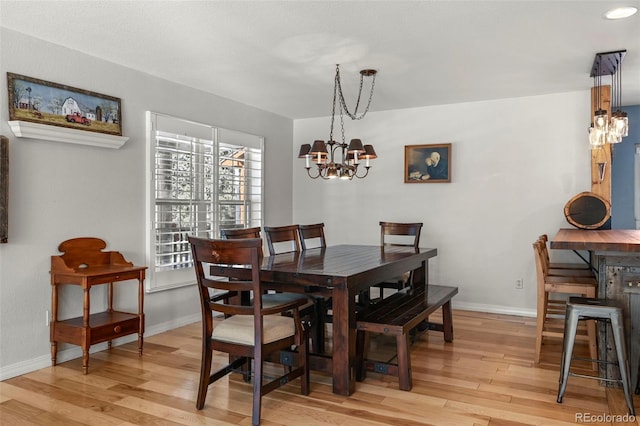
point(587, 210)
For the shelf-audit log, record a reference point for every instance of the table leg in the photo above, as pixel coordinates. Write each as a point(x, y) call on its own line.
point(344, 342)
point(85, 324)
point(141, 312)
point(634, 344)
point(85, 358)
point(52, 325)
point(140, 343)
point(54, 353)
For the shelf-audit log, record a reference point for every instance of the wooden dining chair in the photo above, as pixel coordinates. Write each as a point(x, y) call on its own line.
point(281, 235)
point(551, 310)
point(312, 234)
point(236, 233)
point(398, 234)
point(244, 233)
point(285, 239)
point(562, 269)
point(308, 311)
point(246, 332)
point(563, 266)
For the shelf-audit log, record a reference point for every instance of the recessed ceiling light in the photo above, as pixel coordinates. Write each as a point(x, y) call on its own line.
point(621, 12)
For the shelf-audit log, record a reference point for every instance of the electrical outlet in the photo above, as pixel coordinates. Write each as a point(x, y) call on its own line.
point(519, 283)
point(46, 318)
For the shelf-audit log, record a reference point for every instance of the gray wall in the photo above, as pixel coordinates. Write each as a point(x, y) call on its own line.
point(60, 191)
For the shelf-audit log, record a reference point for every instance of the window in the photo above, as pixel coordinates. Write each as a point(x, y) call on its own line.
point(201, 179)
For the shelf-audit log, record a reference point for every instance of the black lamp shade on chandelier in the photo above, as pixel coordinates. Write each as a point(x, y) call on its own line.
point(605, 127)
point(334, 159)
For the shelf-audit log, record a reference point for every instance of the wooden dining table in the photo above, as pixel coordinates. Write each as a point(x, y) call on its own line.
point(615, 254)
point(341, 272)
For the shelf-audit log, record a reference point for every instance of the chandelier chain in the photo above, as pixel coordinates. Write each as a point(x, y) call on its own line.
point(342, 126)
point(333, 110)
point(354, 115)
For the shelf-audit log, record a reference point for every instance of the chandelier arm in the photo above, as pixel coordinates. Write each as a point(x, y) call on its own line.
point(333, 150)
point(310, 175)
point(355, 173)
point(332, 145)
point(319, 175)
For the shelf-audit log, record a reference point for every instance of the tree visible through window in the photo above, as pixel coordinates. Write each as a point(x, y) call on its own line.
point(203, 179)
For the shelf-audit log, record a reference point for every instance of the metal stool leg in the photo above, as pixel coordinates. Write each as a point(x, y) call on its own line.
point(570, 328)
point(623, 360)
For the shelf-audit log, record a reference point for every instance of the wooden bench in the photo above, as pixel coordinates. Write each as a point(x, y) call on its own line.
point(397, 315)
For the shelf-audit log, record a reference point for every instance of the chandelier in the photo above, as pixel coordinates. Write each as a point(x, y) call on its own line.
point(338, 159)
point(605, 127)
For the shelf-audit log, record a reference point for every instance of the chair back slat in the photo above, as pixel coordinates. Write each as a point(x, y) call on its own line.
point(283, 234)
point(541, 269)
point(542, 256)
point(312, 232)
point(244, 254)
point(397, 229)
point(240, 233)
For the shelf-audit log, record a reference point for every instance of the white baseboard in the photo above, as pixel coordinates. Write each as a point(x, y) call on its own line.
point(24, 367)
point(493, 309)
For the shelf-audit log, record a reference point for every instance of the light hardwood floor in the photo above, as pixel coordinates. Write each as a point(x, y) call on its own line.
point(485, 377)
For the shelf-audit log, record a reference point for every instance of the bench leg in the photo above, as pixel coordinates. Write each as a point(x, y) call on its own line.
point(447, 322)
point(404, 362)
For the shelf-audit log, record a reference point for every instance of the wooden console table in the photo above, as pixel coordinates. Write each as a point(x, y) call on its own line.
point(85, 264)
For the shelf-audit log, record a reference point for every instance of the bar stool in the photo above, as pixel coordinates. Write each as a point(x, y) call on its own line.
point(584, 308)
point(551, 310)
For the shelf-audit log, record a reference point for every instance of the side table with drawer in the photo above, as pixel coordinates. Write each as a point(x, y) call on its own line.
point(85, 264)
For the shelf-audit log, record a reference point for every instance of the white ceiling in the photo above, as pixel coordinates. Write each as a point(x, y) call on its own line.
point(280, 55)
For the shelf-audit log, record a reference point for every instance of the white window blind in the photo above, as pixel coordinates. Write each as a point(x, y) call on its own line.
point(202, 179)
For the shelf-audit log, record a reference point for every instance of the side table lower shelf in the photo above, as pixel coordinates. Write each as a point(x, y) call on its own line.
point(103, 327)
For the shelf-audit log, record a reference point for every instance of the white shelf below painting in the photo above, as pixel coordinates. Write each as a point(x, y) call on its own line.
point(26, 129)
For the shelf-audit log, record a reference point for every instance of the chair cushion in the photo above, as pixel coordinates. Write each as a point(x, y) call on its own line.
point(274, 299)
point(404, 278)
point(239, 329)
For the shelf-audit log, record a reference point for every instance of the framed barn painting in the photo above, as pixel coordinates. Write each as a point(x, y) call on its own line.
point(427, 163)
point(40, 101)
